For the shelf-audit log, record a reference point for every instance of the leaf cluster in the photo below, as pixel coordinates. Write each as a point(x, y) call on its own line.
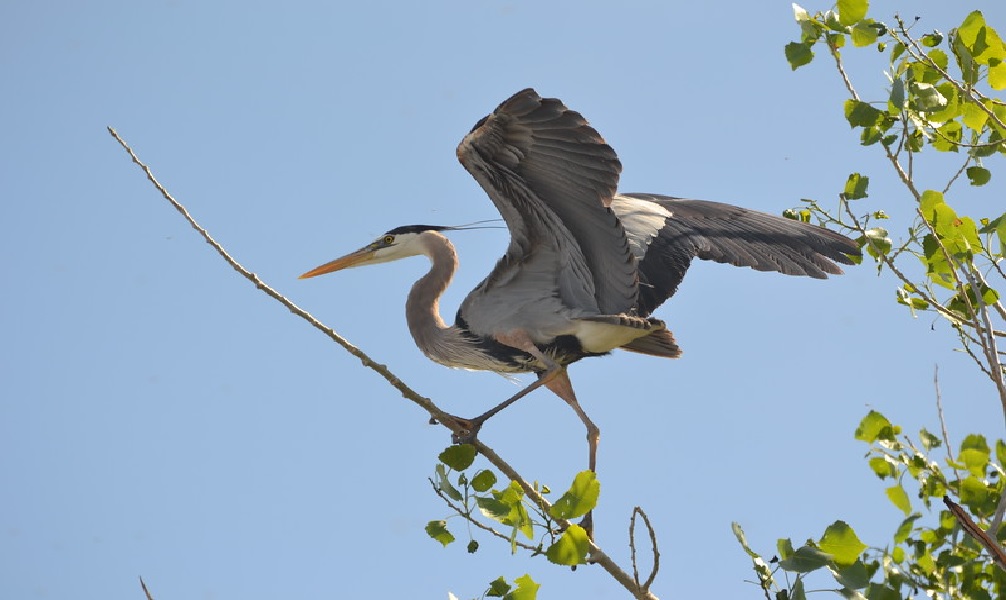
point(473, 495)
point(928, 554)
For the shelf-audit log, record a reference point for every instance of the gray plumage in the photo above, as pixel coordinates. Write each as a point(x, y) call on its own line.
point(585, 267)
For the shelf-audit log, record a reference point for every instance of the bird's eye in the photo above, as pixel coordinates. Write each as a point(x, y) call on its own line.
point(388, 239)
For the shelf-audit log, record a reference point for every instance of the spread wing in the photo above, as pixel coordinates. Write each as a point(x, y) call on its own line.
point(552, 178)
point(667, 233)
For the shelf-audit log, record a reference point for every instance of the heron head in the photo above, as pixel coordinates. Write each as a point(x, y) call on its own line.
point(400, 242)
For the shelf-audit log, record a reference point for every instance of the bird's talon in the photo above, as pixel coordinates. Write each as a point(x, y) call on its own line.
point(467, 430)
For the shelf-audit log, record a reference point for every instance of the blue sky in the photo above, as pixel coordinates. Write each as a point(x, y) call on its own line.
point(160, 417)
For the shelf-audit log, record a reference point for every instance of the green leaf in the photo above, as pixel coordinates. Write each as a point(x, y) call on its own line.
point(579, 499)
point(473, 546)
point(445, 485)
point(742, 539)
point(855, 187)
point(876, 241)
point(883, 466)
point(854, 577)
point(997, 76)
point(879, 591)
point(841, 542)
point(861, 114)
point(458, 457)
point(527, 589)
point(874, 426)
point(784, 546)
point(926, 97)
point(979, 175)
point(798, 54)
point(483, 481)
point(974, 493)
point(804, 560)
point(898, 554)
point(975, 454)
point(864, 33)
point(896, 102)
point(931, 40)
point(1001, 452)
point(929, 441)
point(797, 592)
point(493, 508)
point(438, 531)
point(852, 11)
point(905, 529)
point(498, 587)
point(974, 116)
point(897, 495)
point(571, 548)
point(949, 138)
point(982, 42)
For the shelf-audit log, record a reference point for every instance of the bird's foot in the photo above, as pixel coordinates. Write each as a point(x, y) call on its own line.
point(465, 430)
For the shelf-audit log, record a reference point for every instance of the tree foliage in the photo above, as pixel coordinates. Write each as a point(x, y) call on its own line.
point(941, 101)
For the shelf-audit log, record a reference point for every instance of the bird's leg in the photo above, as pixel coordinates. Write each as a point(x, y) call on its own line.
point(562, 387)
point(522, 341)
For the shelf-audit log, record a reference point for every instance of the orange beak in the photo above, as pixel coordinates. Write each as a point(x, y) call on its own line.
point(350, 260)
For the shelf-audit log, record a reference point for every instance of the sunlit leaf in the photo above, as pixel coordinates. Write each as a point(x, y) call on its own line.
point(997, 76)
point(905, 529)
point(864, 33)
point(784, 546)
point(974, 116)
point(927, 97)
point(438, 531)
point(579, 499)
point(852, 11)
point(527, 589)
point(975, 454)
point(856, 186)
point(571, 548)
point(805, 559)
point(874, 426)
point(982, 41)
point(883, 466)
point(931, 40)
point(929, 441)
point(841, 542)
point(897, 495)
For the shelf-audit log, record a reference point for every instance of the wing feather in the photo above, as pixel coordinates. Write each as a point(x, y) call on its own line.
point(552, 178)
point(667, 233)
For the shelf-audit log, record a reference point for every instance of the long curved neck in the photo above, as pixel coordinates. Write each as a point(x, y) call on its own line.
point(422, 308)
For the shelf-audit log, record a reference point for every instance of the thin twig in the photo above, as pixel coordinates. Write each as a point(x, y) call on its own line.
point(595, 554)
point(653, 544)
point(943, 421)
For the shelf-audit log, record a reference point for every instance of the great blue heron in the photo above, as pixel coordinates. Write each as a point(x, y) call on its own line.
point(586, 266)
